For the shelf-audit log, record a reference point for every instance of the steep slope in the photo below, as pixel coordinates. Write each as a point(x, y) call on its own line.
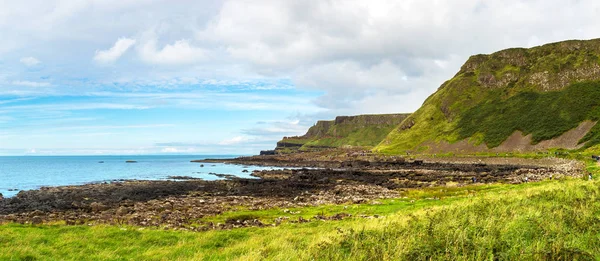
point(511, 100)
point(354, 131)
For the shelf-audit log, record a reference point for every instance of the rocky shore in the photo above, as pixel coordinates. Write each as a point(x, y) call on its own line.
point(331, 179)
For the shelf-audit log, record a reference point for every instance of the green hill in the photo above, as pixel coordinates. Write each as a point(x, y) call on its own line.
point(512, 100)
point(344, 131)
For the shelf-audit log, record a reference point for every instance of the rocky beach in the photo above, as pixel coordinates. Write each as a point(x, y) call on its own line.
point(314, 179)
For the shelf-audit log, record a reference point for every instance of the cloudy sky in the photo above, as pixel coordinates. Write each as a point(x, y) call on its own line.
point(206, 77)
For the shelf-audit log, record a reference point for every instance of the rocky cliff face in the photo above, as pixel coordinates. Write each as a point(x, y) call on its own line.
point(344, 131)
point(541, 92)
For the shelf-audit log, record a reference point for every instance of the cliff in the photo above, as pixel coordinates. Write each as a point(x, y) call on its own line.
point(345, 131)
point(513, 100)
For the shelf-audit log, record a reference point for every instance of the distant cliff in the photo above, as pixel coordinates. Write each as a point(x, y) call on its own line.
point(344, 131)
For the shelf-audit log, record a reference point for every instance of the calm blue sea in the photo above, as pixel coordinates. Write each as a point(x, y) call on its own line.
point(29, 172)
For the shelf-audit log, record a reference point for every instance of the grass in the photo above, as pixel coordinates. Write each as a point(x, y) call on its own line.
point(546, 220)
point(544, 115)
point(553, 222)
point(412, 199)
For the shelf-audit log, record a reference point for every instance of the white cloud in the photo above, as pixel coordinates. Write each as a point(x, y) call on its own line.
point(180, 52)
point(277, 129)
point(115, 52)
point(5, 119)
point(15, 100)
point(30, 61)
point(364, 47)
point(178, 150)
point(355, 51)
point(234, 140)
point(31, 83)
point(46, 107)
point(169, 150)
point(110, 127)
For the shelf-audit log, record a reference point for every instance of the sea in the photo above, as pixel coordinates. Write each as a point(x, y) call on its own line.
point(32, 172)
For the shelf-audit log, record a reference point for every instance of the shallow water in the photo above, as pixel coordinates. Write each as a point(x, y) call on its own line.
point(32, 172)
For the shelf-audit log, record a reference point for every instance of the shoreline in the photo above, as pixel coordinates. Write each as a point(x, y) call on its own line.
point(189, 204)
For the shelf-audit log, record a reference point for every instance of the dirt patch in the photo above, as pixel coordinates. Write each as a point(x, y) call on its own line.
point(568, 140)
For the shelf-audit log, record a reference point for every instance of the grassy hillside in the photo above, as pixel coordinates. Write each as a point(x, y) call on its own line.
point(355, 131)
point(543, 91)
point(551, 220)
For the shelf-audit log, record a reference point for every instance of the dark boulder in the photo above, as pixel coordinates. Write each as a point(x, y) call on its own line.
point(267, 152)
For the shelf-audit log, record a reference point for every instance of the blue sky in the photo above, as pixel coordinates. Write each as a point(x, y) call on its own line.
point(205, 77)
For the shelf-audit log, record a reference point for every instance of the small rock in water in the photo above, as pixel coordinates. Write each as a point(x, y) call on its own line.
point(130, 161)
point(100, 161)
point(202, 165)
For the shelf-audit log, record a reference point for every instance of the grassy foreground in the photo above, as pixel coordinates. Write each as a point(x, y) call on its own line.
point(557, 220)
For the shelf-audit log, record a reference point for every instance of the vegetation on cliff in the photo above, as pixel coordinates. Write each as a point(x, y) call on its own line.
point(543, 91)
point(344, 131)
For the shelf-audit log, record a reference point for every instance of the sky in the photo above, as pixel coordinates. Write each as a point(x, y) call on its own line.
point(119, 77)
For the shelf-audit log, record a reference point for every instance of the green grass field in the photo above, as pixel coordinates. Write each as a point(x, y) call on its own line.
point(556, 220)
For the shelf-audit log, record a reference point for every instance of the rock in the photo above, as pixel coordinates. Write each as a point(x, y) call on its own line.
point(267, 152)
point(182, 177)
point(245, 171)
point(36, 220)
point(122, 211)
point(98, 207)
point(130, 161)
point(100, 161)
point(418, 162)
point(202, 165)
point(226, 176)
